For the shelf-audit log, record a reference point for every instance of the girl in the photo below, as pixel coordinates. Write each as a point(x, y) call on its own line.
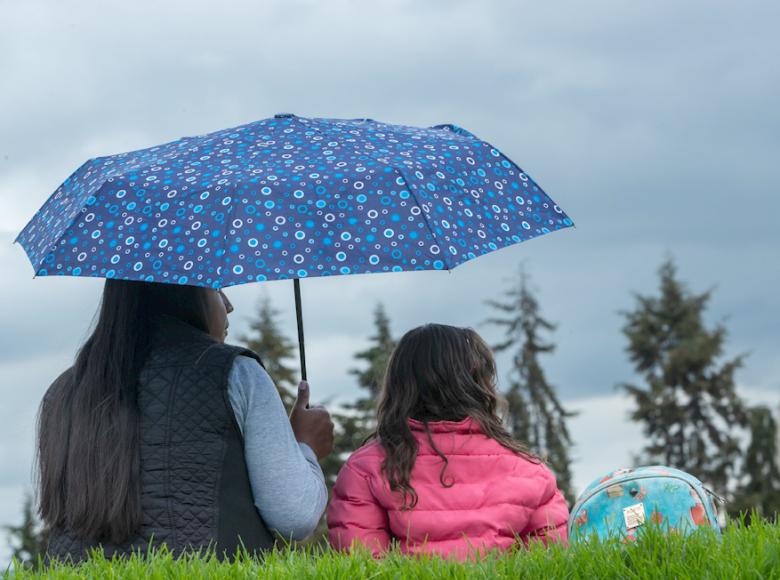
point(441, 475)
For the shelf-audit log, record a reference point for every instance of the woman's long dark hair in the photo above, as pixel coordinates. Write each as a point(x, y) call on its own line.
point(88, 441)
point(436, 373)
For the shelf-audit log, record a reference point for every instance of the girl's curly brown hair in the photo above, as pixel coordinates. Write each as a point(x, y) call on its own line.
point(436, 373)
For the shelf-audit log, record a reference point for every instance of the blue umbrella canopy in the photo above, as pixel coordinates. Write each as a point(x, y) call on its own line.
point(288, 197)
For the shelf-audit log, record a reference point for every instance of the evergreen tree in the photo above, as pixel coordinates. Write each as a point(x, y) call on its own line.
point(761, 488)
point(376, 355)
point(356, 421)
point(535, 415)
point(688, 407)
point(28, 540)
point(274, 348)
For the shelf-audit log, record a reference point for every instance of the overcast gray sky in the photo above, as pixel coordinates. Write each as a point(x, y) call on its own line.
point(655, 125)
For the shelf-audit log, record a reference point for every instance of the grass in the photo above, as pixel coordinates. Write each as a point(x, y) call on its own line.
point(740, 552)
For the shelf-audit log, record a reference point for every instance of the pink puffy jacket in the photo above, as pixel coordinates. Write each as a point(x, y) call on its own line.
point(497, 497)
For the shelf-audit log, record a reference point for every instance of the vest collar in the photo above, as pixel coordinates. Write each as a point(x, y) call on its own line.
point(173, 324)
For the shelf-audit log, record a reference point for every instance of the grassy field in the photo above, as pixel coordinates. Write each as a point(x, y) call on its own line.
point(752, 552)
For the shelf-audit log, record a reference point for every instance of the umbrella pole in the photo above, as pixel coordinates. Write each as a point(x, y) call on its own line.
point(299, 315)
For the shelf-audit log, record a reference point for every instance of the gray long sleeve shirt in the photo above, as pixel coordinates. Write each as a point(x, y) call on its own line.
point(287, 481)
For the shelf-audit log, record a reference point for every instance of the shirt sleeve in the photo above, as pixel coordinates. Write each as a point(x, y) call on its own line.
point(355, 515)
point(287, 481)
point(548, 522)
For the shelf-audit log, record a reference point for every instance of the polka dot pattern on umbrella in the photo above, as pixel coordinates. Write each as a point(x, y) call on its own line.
point(289, 197)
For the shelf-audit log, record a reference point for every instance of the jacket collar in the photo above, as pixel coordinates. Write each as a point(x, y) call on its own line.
point(467, 425)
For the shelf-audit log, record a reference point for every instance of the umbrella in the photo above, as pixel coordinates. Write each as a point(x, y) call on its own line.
point(288, 198)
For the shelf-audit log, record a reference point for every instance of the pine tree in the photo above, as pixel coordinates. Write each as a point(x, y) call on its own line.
point(535, 415)
point(376, 355)
point(28, 540)
point(761, 488)
point(356, 421)
point(370, 379)
point(688, 407)
point(274, 348)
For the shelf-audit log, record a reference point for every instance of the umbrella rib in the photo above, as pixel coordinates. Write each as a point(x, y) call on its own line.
point(225, 241)
point(408, 188)
point(422, 211)
point(71, 221)
point(120, 173)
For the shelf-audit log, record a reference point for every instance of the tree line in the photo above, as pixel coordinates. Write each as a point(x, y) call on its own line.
point(685, 397)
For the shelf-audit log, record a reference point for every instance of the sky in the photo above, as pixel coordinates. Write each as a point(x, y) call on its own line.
point(653, 124)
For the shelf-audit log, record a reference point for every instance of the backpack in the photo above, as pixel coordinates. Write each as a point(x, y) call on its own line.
point(622, 501)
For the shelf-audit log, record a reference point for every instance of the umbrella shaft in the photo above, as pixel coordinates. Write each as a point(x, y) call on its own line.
point(299, 315)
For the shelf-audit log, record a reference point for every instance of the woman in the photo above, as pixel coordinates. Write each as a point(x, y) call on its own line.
point(162, 433)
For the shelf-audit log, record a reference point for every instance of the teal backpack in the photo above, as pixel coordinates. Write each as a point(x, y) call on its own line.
point(618, 504)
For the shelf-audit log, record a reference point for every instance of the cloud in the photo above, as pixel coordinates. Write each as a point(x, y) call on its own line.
point(41, 316)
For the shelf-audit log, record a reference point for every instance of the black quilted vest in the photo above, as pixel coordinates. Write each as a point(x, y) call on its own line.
point(195, 486)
